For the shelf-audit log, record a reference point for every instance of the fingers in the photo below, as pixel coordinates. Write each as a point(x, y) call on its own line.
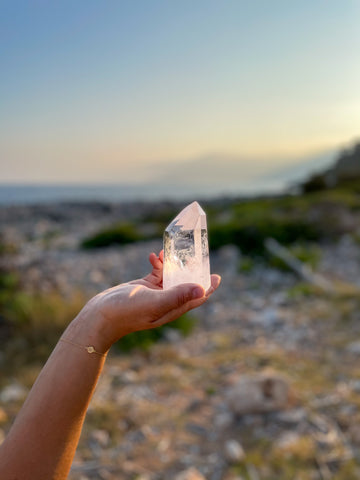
point(155, 261)
point(184, 298)
point(215, 282)
point(175, 298)
point(154, 279)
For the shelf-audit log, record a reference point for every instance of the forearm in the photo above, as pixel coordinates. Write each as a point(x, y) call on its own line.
point(42, 441)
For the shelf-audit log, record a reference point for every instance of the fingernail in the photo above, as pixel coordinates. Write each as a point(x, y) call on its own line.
point(197, 292)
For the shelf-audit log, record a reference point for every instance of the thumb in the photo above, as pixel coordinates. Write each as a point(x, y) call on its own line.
point(176, 297)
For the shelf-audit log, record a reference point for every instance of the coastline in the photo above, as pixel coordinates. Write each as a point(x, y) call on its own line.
point(31, 194)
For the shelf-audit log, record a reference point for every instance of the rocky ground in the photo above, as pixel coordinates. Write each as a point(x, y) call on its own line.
point(265, 387)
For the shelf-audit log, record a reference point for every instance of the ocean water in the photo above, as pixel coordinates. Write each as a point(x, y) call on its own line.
point(25, 194)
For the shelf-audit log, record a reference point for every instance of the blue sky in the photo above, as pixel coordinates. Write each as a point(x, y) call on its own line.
point(118, 90)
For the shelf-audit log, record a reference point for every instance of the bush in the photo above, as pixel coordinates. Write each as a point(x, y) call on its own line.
point(250, 236)
point(144, 339)
point(246, 265)
point(315, 183)
point(308, 254)
point(7, 248)
point(119, 234)
point(30, 325)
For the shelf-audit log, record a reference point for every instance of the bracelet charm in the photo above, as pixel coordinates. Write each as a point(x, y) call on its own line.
point(89, 348)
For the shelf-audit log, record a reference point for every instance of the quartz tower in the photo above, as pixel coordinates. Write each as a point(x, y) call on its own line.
point(186, 249)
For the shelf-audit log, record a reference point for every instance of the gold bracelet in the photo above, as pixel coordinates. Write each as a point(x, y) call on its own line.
point(89, 348)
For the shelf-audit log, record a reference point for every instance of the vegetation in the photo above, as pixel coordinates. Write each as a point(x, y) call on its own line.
point(309, 344)
point(308, 254)
point(344, 174)
point(32, 324)
point(119, 234)
point(290, 219)
point(144, 339)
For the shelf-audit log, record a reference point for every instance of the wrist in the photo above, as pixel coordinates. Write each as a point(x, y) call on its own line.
point(87, 329)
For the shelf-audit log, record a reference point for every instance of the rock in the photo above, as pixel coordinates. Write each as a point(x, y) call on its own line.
point(196, 429)
point(233, 451)
point(292, 417)
point(229, 257)
point(12, 393)
point(355, 386)
point(258, 393)
point(354, 347)
point(135, 436)
point(287, 440)
point(268, 318)
point(96, 276)
point(172, 335)
point(190, 474)
point(223, 420)
point(101, 437)
point(354, 431)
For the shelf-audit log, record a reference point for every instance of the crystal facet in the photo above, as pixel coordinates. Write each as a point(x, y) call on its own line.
point(186, 249)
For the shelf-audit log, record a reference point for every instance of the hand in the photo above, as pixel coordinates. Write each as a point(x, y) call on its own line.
point(143, 304)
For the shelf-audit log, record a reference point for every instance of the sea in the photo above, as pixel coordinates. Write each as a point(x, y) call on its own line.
point(26, 194)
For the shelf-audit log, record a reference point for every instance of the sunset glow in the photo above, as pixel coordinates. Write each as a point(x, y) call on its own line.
point(109, 91)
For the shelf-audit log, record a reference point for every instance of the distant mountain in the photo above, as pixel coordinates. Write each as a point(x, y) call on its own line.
point(235, 174)
point(213, 169)
point(304, 167)
point(343, 172)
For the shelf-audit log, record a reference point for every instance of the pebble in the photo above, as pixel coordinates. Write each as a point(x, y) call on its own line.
point(355, 386)
point(292, 417)
point(233, 451)
point(354, 348)
point(287, 440)
point(102, 437)
point(12, 393)
point(223, 420)
point(248, 303)
point(268, 318)
point(196, 429)
point(355, 433)
point(258, 393)
point(190, 474)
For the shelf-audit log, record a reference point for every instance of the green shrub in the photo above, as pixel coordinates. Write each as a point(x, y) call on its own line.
point(250, 236)
point(308, 254)
point(119, 234)
point(303, 289)
point(315, 183)
point(30, 325)
point(246, 265)
point(144, 339)
point(7, 248)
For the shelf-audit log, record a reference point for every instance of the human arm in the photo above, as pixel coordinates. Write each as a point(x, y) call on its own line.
point(44, 437)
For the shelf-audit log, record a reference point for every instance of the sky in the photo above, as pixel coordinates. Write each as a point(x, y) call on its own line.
point(122, 91)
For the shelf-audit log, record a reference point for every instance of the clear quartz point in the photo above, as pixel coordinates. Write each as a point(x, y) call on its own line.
point(186, 249)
